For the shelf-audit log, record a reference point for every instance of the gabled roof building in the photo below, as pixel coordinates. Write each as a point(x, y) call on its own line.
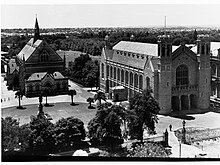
point(33, 62)
point(179, 76)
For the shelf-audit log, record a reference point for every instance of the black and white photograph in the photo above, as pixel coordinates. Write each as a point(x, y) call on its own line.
point(114, 81)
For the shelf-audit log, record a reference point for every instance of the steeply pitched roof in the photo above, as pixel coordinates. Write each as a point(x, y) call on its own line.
point(28, 49)
point(12, 65)
point(37, 76)
point(58, 75)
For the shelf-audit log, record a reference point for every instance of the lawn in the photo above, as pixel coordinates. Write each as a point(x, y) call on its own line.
point(56, 111)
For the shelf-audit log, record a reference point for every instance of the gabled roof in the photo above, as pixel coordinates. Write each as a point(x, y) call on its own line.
point(28, 49)
point(187, 51)
point(155, 62)
point(12, 65)
point(37, 76)
point(58, 75)
point(40, 75)
point(137, 47)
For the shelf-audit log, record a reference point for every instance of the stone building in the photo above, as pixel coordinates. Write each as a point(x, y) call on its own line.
point(180, 76)
point(36, 67)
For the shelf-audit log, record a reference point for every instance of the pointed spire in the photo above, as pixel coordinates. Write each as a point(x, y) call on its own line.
point(36, 31)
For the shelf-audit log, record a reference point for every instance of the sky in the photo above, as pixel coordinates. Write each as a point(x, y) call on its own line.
point(108, 15)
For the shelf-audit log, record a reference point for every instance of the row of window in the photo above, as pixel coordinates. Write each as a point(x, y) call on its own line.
point(37, 86)
point(131, 54)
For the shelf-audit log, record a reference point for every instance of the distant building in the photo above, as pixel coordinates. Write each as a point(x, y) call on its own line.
point(36, 67)
point(180, 76)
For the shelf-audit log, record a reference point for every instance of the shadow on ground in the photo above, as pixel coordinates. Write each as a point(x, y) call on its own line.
point(186, 114)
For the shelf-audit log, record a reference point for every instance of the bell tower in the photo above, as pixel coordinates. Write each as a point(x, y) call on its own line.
point(165, 74)
point(203, 50)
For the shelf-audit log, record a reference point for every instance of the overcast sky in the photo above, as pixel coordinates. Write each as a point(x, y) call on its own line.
point(108, 15)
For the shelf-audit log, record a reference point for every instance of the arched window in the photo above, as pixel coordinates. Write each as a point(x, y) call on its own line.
point(37, 87)
point(102, 70)
point(107, 70)
point(114, 72)
point(111, 72)
point(141, 82)
point(122, 75)
point(147, 82)
point(118, 73)
point(136, 80)
point(58, 86)
point(44, 56)
point(182, 75)
point(126, 77)
point(30, 88)
point(131, 78)
point(203, 49)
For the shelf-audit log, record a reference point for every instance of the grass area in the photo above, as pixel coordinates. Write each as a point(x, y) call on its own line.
point(194, 134)
point(56, 111)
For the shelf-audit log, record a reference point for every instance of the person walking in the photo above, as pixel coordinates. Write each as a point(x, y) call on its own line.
point(170, 127)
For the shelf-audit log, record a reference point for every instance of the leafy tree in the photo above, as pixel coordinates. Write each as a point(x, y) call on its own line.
point(146, 108)
point(19, 96)
point(72, 92)
point(14, 138)
point(100, 96)
point(90, 101)
point(42, 136)
point(69, 131)
point(148, 150)
point(105, 127)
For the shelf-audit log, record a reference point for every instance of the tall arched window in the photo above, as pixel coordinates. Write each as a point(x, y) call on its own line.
point(126, 77)
point(114, 72)
point(107, 70)
point(111, 72)
point(147, 82)
point(182, 75)
point(131, 78)
point(122, 75)
point(118, 74)
point(141, 82)
point(136, 80)
point(102, 70)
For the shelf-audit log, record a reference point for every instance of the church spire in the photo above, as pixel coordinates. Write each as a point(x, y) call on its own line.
point(36, 31)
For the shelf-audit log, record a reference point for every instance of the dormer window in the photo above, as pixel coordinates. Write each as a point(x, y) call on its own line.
point(121, 53)
point(125, 53)
point(133, 55)
point(142, 57)
point(137, 56)
point(129, 54)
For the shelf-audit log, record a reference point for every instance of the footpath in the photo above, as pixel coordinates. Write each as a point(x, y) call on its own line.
point(181, 150)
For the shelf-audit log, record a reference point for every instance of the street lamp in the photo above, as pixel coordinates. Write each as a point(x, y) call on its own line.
point(184, 132)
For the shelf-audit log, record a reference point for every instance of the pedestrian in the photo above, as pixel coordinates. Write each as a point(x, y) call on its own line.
point(170, 127)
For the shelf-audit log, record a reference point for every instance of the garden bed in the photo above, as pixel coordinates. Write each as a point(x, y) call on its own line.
point(194, 134)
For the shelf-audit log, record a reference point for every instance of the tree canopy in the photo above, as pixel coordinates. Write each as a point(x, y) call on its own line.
point(146, 108)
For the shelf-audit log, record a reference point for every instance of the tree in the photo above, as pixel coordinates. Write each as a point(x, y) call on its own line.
point(90, 101)
point(146, 108)
point(46, 92)
point(19, 95)
point(195, 35)
point(69, 132)
point(72, 92)
point(14, 138)
point(148, 150)
point(100, 96)
point(41, 138)
point(105, 127)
